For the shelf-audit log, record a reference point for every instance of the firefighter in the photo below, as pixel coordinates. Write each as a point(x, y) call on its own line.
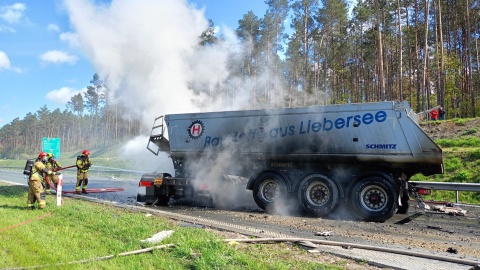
point(52, 165)
point(83, 164)
point(35, 188)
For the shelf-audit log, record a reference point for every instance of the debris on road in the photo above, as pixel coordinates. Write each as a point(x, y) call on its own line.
point(323, 234)
point(452, 250)
point(451, 210)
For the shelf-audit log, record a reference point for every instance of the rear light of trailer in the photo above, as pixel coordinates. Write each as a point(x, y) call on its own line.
point(158, 181)
point(145, 184)
point(424, 191)
point(203, 187)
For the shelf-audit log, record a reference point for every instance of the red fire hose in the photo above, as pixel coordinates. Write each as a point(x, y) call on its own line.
point(93, 190)
point(63, 168)
point(96, 190)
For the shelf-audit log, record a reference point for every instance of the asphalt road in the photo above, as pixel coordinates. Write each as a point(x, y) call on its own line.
point(95, 182)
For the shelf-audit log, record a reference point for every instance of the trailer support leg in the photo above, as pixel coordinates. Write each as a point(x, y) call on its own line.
point(419, 200)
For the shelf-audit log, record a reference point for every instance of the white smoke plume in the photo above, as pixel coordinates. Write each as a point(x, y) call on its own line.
point(148, 53)
point(135, 154)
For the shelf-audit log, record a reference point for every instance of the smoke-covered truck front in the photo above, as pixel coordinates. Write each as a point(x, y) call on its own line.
point(318, 157)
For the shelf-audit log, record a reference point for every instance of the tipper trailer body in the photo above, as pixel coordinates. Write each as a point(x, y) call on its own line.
point(317, 157)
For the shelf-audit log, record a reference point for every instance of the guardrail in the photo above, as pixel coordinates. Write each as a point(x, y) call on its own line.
point(471, 187)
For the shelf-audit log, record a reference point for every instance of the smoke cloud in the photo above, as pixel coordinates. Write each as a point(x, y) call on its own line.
point(149, 55)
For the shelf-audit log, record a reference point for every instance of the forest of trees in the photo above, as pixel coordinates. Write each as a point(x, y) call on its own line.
point(422, 51)
point(88, 122)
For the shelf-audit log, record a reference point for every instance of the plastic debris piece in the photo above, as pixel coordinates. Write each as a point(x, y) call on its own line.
point(323, 233)
point(157, 237)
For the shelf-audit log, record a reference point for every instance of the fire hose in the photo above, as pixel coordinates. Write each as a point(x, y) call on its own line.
point(95, 190)
point(47, 179)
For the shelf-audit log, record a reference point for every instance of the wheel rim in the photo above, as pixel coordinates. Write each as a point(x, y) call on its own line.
point(374, 198)
point(317, 193)
point(269, 190)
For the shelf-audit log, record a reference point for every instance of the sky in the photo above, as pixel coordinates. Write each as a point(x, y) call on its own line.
point(49, 51)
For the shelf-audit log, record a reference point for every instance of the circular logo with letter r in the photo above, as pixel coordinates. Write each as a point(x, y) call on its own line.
point(196, 129)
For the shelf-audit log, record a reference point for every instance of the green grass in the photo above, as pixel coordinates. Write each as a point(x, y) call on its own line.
point(461, 162)
point(468, 141)
point(461, 166)
point(62, 236)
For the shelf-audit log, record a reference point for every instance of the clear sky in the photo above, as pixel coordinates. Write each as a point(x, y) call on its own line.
point(49, 50)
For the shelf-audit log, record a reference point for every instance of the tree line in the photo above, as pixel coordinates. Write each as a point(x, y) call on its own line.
point(422, 51)
point(89, 121)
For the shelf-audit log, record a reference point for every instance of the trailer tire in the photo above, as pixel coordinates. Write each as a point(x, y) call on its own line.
point(403, 209)
point(267, 189)
point(374, 199)
point(162, 200)
point(318, 195)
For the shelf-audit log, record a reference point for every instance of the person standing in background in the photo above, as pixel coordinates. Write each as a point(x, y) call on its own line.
point(434, 115)
point(83, 164)
point(441, 113)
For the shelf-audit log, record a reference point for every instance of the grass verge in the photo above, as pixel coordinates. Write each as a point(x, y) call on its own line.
point(76, 234)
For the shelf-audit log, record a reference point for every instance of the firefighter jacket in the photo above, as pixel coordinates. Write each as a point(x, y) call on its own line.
point(38, 170)
point(83, 163)
point(53, 165)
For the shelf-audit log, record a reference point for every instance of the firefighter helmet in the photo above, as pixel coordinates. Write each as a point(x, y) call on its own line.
point(50, 155)
point(42, 154)
point(85, 153)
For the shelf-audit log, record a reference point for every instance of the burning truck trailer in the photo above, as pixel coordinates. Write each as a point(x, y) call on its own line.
point(360, 155)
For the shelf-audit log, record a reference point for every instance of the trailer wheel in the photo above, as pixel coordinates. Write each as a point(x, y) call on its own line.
point(318, 195)
point(267, 190)
point(162, 200)
point(374, 199)
point(403, 209)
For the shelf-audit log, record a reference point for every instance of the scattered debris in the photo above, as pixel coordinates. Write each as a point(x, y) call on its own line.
point(452, 250)
point(450, 209)
point(323, 234)
point(158, 237)
point(439, 229)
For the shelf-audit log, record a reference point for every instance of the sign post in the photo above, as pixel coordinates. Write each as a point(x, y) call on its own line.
point(59, 190)
point(51, 145)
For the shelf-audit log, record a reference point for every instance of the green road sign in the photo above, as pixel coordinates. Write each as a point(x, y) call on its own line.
point(51, 145)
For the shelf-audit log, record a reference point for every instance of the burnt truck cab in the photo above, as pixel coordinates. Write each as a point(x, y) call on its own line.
point(150, 189)
point(159, 188)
